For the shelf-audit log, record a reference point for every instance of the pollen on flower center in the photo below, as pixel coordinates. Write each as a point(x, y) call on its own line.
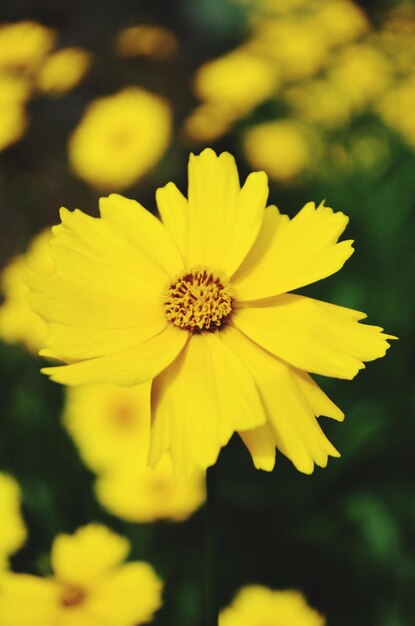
point(71, 596)
point(200, 299)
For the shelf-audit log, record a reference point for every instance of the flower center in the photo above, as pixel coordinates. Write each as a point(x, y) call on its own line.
point(71, 596)
point(199, 300)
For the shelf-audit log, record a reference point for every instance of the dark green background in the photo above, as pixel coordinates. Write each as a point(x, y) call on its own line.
point(345, 536)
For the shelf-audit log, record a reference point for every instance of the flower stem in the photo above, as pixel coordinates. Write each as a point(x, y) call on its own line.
point(211, 608)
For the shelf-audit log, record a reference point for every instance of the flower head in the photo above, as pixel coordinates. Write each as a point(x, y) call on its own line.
point(120, 138)
point(18, 323)
point(12, 528)
point(63, 70)
point(257, 606)
point(91, 585)
point(197, 304)
point(24, 44)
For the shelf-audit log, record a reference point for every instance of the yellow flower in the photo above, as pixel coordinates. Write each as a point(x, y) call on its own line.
point(13, 124)
point(24, 44)
point(147, 40)
point(120, 138)
point(361, 73)
point(208, 122)
point(396, 109)
point(13, 89)
point(63, 70)
point(282, 148)
point(12, 528)
point(18, 323)
point(138, 493)
point(237, 81)
point(341, 21)
point(197, 303)
point(257, 606)
point(91, 585)
point(111, 427)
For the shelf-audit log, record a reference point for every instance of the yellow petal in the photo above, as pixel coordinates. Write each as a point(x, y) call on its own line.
point(296, 432)
point(314, 336)
point(27, 600)
point(224, 220)
point(144, 231)
point(261, 445)
point(318, 400)
point(173, 208)
point(131, 595)
point(200, 401)
point(92, 552)
point(97, 238)
point(130, 367)
point(297, 252)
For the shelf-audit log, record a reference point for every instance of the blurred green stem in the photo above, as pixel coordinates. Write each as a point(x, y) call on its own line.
point(211, 608)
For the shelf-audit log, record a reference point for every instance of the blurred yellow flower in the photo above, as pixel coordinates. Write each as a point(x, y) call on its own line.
point(111, 427)
point(63, 70)
point(120, 138)
point(13, 124)
point(295, 46)
point(397, 109)
point(91, 585)
point(147, 40)
point(341, 21)
point(24, 44)
point(208, 122)
point(195, 304)
point(237, 81)
point(12, 528)
point(361, 73)
point(257, 606)
point(13, 89)
point(18, 323)
point(110, 424)
point(138, 493)
point(332, 111)
point(282, 148)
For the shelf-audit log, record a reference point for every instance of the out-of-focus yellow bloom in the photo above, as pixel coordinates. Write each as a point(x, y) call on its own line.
point(12, 528)
point(257, 606)
point(295, 45)
point(13, 124)
point(361, 73)
point(138, 493)
point(18, 323)
point(120, 138)
point(13, 89)
point(63, 70)
point(397, 109)
point(237, 81)
point(319, 102)
point(147, 40)
point(91, 585)
point(282, 148)
point(341, 21)
point(111, 427)
point(110, 424)
point(208, 122)
point(24, 44)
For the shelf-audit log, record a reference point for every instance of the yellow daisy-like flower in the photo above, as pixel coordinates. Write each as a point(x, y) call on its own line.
point(111, 427)
point(12, 528)
point(197, 303)
point(63, 70)
point(257, 606)
point(91, 585)
point(24, 44)
point(120, 138)
point(18, 323)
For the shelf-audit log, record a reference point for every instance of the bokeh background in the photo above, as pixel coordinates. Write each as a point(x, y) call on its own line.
point(322, 96)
